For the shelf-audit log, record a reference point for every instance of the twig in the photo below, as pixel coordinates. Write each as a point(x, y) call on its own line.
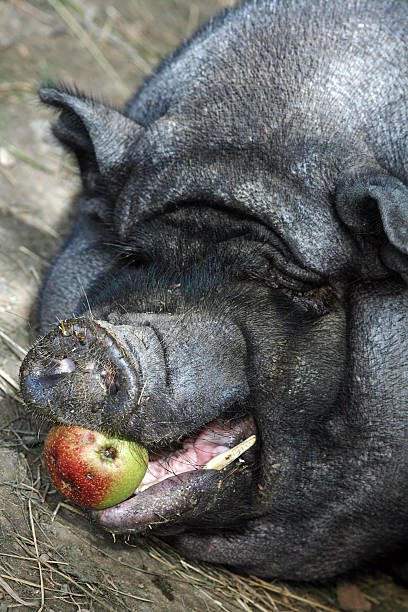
point(15, 595)
point(22, 558)
point(18, 350)
point(24, 157)
point(9, 380)
point(31, 254)
point(116, 590)
point(67, 507)
point(21, 539)
point(37, 555)
point(283, 591)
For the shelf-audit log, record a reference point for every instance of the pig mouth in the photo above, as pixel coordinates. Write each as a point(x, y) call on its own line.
point(191, 481)
point(218, 439)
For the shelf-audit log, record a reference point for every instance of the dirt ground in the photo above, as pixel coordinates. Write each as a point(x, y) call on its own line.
point(51, 558)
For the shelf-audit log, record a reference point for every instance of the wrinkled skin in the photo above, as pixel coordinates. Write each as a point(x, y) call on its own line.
point(240, 260)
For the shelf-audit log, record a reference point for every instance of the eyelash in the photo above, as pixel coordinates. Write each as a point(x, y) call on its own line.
point(318, 300)
point(310, 298)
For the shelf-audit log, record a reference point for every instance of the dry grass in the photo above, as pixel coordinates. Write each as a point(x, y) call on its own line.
point(222, 589)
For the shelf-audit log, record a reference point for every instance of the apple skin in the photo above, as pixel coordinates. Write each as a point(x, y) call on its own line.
point(93, 470)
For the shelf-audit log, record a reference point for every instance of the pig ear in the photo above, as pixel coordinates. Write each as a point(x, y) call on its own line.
point(371, 202)
point(100, 137)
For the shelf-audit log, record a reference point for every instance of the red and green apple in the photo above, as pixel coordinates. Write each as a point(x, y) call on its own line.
point(94, 470)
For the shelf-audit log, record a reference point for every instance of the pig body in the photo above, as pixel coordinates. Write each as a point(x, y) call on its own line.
point(239, 266)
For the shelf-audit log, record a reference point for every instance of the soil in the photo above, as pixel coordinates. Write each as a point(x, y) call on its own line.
point(51, 557)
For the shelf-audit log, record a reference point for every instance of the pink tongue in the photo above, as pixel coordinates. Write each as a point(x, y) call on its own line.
point(212, 440)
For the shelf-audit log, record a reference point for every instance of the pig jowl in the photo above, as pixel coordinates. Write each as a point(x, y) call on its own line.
point(238, 266)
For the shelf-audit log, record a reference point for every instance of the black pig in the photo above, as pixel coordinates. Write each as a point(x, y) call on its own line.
point(239, 265)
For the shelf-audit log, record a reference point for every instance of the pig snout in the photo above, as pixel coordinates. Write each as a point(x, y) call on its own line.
point(149, 380)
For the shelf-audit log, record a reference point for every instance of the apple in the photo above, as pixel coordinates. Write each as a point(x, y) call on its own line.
point(93, 470)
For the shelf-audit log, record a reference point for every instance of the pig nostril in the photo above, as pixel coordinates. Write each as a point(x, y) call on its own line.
point(110, 382)
point(56, 370)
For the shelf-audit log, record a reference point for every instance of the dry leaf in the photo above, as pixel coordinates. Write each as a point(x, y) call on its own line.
point(352, 599)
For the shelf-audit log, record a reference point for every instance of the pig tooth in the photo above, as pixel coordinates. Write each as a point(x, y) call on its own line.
point(221, 461)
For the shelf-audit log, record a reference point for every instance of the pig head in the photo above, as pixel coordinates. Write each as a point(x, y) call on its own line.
point(239, 266)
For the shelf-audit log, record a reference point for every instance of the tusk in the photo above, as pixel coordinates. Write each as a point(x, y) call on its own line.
point(221, 461)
